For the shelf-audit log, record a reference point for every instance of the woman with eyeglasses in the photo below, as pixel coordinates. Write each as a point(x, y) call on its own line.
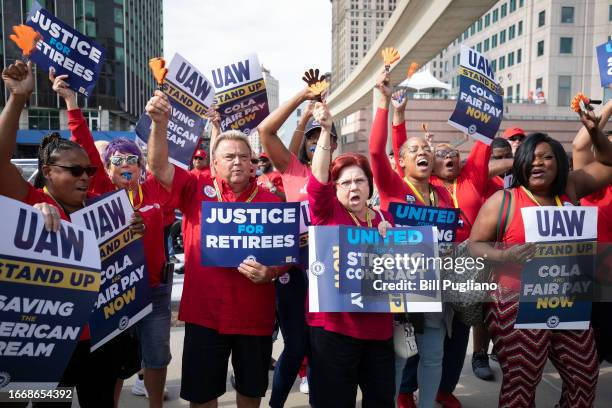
point(348, 349)
point(416, 161)
point(122, 167)
point(62, 186)
point(541, 178)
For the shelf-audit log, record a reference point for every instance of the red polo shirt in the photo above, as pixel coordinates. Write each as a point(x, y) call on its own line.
point(150, 205)
point(325, 209)
point(221, 299)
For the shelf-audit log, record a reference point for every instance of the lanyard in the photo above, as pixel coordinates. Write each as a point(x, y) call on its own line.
point(453, 194)
point(220, 199)
point(557, 200)
point(46, 191)
point(140, 197)
point(432, 197)
point(356, 221)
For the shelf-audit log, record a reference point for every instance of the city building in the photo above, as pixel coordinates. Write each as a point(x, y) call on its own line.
point(271, 88)
point(543, 52)
point(355, 26)
point(131, 32)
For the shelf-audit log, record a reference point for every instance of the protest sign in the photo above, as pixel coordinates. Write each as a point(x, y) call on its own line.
point(66, 50)
point(48, 284)
point(324, 278)
point(604, 58)
point(190, 95)
point(241, 94)
point(557, 284)
point(480, 105)
point(265, 232)
point(304, 224)
point(124, 296)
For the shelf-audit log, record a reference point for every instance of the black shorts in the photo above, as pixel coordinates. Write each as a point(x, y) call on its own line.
point(205, 357)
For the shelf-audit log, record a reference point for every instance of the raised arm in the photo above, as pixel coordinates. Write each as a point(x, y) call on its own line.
point(581, 146)
point(598, 174)
point(159, 109)
point(477, 165)
point(19, 82)
point(214, 117)
point(298, 133)
point(279, 155)
point(322, 155)
point(398, 128)
point(500, 166)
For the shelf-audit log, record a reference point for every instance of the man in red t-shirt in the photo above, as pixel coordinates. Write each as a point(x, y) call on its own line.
point(226, 310)
point(199, 162)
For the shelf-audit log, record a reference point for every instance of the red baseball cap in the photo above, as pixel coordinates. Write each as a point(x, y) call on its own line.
point(200, 153)
point(508, 133)
point(264, 154)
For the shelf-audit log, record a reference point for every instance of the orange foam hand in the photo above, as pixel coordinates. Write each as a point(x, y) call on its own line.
point(26, 38)
point(390, 55)
point(319, 87)
point(158, 67)
point(412, 69)
point(580, 97)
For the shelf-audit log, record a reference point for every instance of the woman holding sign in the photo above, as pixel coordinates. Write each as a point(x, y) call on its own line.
point(124, 167)
point(348, 349)
point(416, 161)
point(64, 177)
point(542, 178)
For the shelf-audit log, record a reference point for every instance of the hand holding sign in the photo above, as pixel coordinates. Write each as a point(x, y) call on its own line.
point(137, 224)
point(26, 38)
point(51, 216)
point(18, 78)
point(382, 83)
point(390, 55)
point(256, 272)
point(61, 87)
point(213, 115)
point(159, 108)
point(519, 253)
point(322, 115)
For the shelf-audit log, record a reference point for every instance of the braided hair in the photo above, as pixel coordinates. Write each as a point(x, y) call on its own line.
point(49, 148)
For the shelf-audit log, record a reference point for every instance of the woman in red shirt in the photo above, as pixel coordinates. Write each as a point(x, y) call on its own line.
point(542, 178)
point(348, 349)
point(64, 176)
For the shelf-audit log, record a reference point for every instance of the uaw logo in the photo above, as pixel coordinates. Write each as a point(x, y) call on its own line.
point(410, 199)
point(552, 322)
point(5, 379)
point(284, 278)
point(123, 323)
point(317, 268)
point(472, 129)
point(209, 191)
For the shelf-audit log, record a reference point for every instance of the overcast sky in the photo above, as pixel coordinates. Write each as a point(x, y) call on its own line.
point(288, 36)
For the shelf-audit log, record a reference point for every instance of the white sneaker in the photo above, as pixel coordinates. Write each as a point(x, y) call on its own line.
point(139, 388)
point(304, 385)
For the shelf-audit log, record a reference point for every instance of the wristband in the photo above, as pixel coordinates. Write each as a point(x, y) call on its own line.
point(324, 147)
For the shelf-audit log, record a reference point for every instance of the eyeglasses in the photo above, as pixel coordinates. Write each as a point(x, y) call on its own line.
point(346, 184)
point(516, 138)
point(77, 171)
point(119, 160)
point(198, 158)
point(414, 149)
point(447, 153)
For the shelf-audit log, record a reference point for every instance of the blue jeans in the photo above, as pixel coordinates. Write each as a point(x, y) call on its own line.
point(290, 306)
point(455, 348)
point(154, 329)
point(425, 369)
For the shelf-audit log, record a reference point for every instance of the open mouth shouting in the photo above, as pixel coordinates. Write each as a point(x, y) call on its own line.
point(422, 164)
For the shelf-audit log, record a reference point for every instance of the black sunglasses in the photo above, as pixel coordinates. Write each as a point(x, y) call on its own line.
point(516, 138)
point(254, 161)
point(77, 171)
point(198, 158)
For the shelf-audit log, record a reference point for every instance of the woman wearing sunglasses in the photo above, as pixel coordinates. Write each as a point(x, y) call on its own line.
point(124, 169)
point(414, 186)
point(62, 186)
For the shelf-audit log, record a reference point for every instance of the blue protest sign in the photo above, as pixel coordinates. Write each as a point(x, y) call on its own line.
point(304, 224)
point(324, 278)
point(190, 95)
point(124, 296)
point(48, 285)
point(604, 58)
point(557, 284)
point(412, 215)
point(66, 50)
point(480, 105)
point(241, 94)
point(265, 232)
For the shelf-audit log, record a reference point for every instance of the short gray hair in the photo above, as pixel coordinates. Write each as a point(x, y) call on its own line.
point(232, 135)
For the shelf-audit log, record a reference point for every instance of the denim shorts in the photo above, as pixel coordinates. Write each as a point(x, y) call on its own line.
point(154, 329)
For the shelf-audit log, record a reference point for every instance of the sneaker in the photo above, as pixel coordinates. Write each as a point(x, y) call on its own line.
point(233, 381)
point(447, 400)
point(493, 356)
point(304, 385)
point(480, 366)
point(405, 400)
point(139, 388)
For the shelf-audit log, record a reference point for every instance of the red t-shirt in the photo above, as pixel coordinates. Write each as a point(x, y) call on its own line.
point(602, 199)
point(295, 177)
point(493, 185)
point(221, 299)
point(205, 171)
point(151, 205)
point(36, 196)
point(471, 181)
point(391, 187)
point(325, 209)
point(274, 177)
